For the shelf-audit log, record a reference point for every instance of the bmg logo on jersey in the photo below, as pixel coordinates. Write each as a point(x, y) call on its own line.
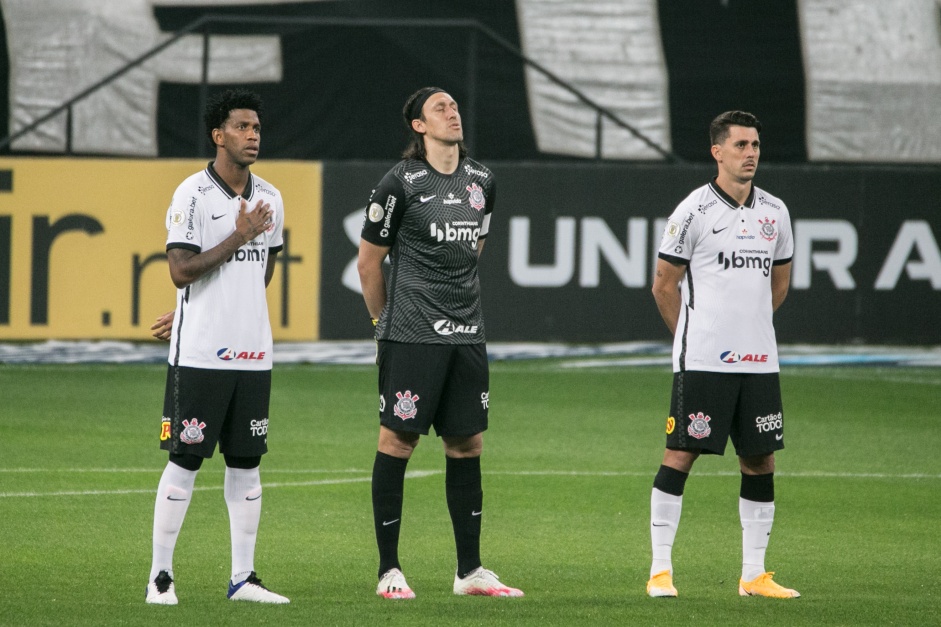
point(446, 327)
point(456, 232)
point(230, 354)
point(747, 262)
point(252, 254)
point(259, 427)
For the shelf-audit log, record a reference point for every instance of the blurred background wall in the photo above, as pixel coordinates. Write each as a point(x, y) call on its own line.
point(592, 114)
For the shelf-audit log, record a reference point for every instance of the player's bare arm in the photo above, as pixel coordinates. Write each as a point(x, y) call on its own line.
point(780, 282)
point(187, 266)
point(666, 291)
point(480, 247)
point(373, 283)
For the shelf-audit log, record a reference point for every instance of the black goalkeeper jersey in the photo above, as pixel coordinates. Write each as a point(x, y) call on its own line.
point(432, 223)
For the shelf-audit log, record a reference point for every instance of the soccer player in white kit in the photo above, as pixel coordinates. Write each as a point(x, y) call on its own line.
point(723, 269)
point(224, 232)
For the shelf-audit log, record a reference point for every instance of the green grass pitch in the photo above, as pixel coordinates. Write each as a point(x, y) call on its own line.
point(568, 464)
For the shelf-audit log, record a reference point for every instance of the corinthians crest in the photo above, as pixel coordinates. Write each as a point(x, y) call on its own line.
point(699, 426)
point(476, 197)
point(405, 407)
point(192, 431)
point(767, 229)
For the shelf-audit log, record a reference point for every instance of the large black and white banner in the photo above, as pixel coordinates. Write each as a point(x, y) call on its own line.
point(833, 80)
point(571, 251)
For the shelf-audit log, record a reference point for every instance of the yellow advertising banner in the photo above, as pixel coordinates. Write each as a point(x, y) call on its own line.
point(82, 247)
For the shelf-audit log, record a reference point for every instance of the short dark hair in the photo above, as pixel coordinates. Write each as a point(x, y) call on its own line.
point(415, 148)
point(719, 128)
point(221, 105)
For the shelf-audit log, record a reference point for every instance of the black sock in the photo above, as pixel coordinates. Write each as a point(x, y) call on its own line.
point(670, 480)
point(758, 488)
point(388, 485)
point(465, 503)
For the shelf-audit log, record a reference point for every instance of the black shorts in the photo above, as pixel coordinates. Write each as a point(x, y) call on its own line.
point(202, 407)
point(444, 385)
point(708, 407)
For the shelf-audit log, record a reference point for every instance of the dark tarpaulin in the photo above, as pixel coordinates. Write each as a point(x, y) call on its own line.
point(343, 87)
point(735, 54)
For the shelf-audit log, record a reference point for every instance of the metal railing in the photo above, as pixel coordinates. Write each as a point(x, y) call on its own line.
point(204, 25)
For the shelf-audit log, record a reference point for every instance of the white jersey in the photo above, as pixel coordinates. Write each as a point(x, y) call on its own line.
point(221, 319)
point(725, 321)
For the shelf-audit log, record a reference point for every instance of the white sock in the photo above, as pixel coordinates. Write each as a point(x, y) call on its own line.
point(757, 518)
point(665, 512)
point(173, 499)
point(243, 498)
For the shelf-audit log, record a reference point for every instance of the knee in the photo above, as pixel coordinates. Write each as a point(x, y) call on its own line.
point(757, 465)
point(680, 460)
point(399, 444)
point(472, 446)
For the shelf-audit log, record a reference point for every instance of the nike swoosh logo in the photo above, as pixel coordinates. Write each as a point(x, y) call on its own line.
point(778, 436)
point(389, 522)
point(170, 498)
point(249, 498)
point(475, 513)
point(660, 525)
point(217, 217)
point(426, 198)
point(715, 232)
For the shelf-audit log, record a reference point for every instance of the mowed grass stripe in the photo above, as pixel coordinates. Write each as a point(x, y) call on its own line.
point(568, 464)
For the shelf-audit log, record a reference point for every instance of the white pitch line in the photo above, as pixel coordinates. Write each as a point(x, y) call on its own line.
point(155, 469)
point(718, 473)
point(417, 474)
point(414, 474)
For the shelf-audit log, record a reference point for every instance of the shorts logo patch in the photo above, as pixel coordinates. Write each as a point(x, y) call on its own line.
point(699, 426)
point(259, 427)
point(405, 407)
point(671, 424)
point(485, 399)
point(165, 429)
point(193, 431)
point(382, 403)
point(771, 422)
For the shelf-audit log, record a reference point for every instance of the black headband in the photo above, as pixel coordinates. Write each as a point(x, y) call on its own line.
point(414, 113)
